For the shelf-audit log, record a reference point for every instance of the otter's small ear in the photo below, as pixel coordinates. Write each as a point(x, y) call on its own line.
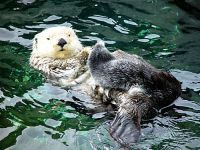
point(36, 40)
point(72, 30)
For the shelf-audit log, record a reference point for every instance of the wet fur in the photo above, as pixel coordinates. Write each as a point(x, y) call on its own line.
point(123, 73)
point(144, 89)
point(153, 90)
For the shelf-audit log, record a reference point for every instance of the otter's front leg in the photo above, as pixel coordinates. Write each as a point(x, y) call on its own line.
point(102, 94)
point(79, 75)
point(67, 83)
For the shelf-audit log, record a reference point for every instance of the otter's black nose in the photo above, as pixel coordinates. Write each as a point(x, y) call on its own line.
point(62, 42)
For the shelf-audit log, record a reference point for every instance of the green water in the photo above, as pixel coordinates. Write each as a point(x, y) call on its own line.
point(36, 115)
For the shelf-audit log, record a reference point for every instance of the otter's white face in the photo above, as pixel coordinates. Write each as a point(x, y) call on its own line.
point(56, 42)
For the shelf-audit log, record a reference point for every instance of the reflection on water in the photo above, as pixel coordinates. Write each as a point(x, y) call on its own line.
point(36, 115)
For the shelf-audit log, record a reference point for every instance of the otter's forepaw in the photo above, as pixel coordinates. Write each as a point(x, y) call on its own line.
point(100, 93)
point(97, 92)
point(58, 73)
point(67, 83)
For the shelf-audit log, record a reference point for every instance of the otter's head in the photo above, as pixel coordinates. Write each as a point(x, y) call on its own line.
point(56, 42)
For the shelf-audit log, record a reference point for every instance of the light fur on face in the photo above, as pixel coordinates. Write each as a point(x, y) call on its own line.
point(45, 44)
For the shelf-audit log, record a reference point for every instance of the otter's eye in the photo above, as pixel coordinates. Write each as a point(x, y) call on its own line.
point(69, 35)
point(48, 38)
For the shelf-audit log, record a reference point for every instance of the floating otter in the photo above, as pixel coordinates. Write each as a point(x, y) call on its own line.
point(111, 72)
point(146, 89)
point(58, 54)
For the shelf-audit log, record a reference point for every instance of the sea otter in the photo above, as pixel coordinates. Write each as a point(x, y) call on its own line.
point(147, 89)
point(58, 54)
point(111, 72)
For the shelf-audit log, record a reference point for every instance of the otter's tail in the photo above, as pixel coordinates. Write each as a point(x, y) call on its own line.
point(167, 88)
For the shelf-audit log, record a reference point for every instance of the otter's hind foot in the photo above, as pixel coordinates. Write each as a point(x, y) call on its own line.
point(125, 129)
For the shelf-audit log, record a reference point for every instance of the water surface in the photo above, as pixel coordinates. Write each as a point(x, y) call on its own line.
point(37, 115)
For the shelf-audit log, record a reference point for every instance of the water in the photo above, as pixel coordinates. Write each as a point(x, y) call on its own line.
point(33, 115)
